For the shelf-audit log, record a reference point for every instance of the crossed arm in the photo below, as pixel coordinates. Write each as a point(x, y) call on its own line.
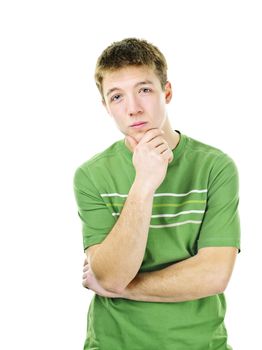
point(202, 275)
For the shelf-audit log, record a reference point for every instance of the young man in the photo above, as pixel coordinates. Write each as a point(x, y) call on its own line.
point(159, 213)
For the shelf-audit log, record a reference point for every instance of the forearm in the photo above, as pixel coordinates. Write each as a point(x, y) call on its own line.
point(117, 260)
point(191, 279)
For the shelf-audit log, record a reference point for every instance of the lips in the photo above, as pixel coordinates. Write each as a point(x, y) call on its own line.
point(138, 124)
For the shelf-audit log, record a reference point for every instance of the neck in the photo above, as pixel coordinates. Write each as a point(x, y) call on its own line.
point(172, 137)
point(173, 140)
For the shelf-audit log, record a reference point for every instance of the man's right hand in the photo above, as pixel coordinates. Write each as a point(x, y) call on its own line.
point(151, 156)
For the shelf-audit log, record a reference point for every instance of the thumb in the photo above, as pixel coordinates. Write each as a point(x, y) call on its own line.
point(132, 142)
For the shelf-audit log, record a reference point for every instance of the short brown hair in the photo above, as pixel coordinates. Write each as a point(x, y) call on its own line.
point(130, 52)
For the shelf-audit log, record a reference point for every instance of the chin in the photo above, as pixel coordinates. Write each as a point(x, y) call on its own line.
point(137, 134)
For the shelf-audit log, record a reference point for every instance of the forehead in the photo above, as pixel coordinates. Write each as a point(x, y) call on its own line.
point(129, 77)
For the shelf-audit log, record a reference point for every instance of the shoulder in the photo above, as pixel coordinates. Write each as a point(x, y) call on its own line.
point(219, 168)
point(207, 154)
point(196, 146)
point(97, 162)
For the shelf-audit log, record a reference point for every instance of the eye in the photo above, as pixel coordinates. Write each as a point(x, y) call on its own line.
point(145, 90)
point(115, 98)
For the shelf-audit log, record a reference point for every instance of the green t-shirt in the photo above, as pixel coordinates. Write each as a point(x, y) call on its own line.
point(194, 207)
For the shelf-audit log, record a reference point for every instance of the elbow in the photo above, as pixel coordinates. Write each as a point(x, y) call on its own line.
point(112, 286)
point(110, 283)
point(221, 285)
point(220, 289)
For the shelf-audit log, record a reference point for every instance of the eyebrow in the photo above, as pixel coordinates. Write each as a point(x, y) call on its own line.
point(145, 82)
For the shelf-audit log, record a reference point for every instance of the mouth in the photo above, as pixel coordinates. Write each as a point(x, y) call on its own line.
point(138, 125)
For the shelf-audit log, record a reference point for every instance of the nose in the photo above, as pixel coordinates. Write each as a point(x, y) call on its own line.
point(133, 106)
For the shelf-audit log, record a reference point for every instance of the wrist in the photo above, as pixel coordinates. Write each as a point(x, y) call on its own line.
point(142, 189)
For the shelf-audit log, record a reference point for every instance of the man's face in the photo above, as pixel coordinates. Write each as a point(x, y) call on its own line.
point(134, 95)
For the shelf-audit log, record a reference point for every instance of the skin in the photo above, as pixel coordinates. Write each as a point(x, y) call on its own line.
point(128, 100)
point(134, 94)
point(113, 267)
point(203, 275)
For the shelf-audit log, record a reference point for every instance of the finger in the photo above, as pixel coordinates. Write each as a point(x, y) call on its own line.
point(84, 285)
point(86, 268)
point(168, 155)
point(151, 134)
point(162, 148)
point(85, 261)
point(157, 141)
point(171, 157)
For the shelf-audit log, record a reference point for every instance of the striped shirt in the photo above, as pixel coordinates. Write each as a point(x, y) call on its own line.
point(194, 207)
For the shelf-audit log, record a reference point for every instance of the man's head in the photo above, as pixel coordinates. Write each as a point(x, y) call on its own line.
point(130, 52)
point(131, 76)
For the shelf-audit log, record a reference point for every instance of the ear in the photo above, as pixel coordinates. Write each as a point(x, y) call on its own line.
point(168, 92)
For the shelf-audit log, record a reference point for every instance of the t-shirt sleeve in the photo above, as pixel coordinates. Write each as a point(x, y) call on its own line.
point(97, 220)
point(221, 226)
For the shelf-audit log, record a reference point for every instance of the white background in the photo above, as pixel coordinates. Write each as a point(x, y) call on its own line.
point(52, 121)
